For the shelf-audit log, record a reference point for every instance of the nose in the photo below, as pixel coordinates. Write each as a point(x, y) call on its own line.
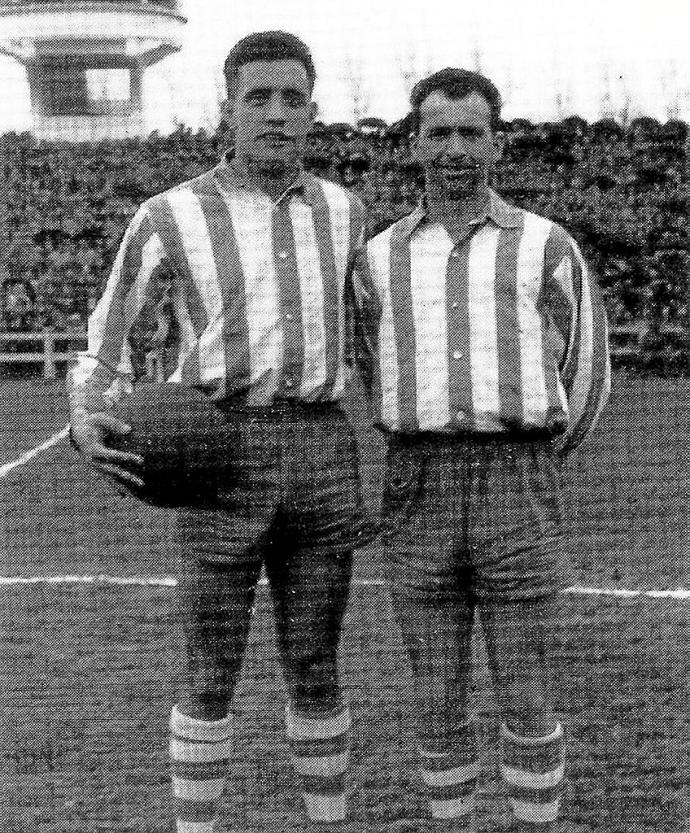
point(274, 109)
point(455, 147)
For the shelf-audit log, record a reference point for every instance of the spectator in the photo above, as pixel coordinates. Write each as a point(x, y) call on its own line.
point(18, 305)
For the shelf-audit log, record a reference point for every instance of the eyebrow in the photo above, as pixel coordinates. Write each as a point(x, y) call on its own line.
point(269, 90)
point(446, 128)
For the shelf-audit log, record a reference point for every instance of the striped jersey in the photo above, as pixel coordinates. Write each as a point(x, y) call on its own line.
point(254, 291)
point(505, 331)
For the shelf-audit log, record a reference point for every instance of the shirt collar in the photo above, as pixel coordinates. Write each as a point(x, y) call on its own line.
point(498, 211)
point(231, 179)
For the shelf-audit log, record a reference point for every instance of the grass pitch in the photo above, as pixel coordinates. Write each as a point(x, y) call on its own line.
point(88, 672)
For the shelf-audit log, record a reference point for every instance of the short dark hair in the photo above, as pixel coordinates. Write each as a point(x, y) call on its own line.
point(267, 46)
point(456, 83)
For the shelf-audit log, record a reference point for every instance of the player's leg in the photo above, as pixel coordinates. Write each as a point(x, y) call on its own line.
point(429, 589)
point(517, 548)
point(436, 626)
point(518, 638)
point(220, 558)
point(309, 572)
point(310, 588)
point(215, 604)
point(532, 743)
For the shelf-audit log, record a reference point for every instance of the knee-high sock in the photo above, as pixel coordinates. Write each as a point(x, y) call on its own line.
point(450, 776)
point(533, 770)
point(320, 748)
point(199, 753)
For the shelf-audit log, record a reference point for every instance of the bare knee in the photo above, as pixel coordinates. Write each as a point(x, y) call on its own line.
point(526, 710)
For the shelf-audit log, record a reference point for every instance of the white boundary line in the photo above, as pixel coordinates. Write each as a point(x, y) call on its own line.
point(679, 593)
point(168, 581)
point(6, 468)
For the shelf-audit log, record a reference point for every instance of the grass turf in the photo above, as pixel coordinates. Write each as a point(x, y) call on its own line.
point(89, 673)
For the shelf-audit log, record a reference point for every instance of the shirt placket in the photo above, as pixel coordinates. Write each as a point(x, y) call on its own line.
point(458, 326)
point(287, 274)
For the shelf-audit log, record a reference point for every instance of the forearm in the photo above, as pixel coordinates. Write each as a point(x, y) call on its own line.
point(365, 313)
point(93, 386)
point(103, 372)
point(589, 383)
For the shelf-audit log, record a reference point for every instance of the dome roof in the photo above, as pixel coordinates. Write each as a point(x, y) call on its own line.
point(142, 30)
point(29, 5)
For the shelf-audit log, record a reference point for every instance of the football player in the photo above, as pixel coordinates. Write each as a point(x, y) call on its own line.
point(491, 365)
point(255, 258)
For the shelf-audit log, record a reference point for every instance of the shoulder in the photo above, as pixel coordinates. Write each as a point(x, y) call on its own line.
point(529, 222)
point(401, 229)
point(552, 244)
point(553, 237)
point(338, 197)
point(379, 245)
point(195, 189)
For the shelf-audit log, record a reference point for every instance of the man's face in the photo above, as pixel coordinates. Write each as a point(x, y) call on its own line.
point(456, 145)
point(271, 114)
point(349, 176)
point(17, 300)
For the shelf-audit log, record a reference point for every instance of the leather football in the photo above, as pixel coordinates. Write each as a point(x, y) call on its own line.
point(184, 439)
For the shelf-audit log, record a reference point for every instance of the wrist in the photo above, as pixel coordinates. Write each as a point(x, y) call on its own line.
point(72, 441)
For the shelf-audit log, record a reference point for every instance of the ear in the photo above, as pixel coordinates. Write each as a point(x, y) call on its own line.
point(499, 144)
point(414, 147)
point(313, 112)
point(227, 111)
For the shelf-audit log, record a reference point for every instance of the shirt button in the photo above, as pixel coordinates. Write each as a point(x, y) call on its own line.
point(454, 252)
point(288, 382)
point(288, 316)
point(455, 305)
point(282, 255)
point(461, 415)
point(457, 354)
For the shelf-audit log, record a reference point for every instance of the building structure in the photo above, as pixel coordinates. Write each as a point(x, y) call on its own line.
point(86, 59)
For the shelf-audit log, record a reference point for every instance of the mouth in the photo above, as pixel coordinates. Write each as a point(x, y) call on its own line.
point(276, 139)
point(459, 172)
point(460, 179)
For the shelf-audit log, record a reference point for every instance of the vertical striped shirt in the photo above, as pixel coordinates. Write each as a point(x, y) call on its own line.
point(255, 288)
point(505, 331)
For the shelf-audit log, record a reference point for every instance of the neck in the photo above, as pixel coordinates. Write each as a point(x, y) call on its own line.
point(457, 212)
point(274, 181)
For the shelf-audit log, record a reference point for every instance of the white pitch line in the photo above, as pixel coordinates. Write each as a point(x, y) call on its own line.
point(138, 581)
point(679, 593)
point(6, 468)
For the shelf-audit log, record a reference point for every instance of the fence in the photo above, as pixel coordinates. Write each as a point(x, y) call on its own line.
point(57, 347)
point(54, 347)
point(628, 341)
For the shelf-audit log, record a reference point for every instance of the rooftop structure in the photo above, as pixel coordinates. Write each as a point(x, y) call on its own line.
point(85, 60)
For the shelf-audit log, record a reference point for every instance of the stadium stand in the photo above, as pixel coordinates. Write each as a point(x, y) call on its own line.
point(621, 190)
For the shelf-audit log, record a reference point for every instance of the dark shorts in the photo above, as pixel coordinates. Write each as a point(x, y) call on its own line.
point(483, 515)
point(309, 590)
point(293, 479)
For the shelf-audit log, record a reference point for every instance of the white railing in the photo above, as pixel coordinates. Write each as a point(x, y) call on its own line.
point(626, 339)
point(48, 355)
point(625, 343)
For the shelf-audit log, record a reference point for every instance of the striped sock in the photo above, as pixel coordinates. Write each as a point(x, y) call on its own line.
point(319, 746)
point(199, 753)
point(450, 779)
point(533, 769)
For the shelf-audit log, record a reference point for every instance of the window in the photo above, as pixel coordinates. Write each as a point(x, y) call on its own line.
point(107, 85)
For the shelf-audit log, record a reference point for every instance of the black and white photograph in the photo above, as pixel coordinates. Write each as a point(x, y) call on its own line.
point(344, 417)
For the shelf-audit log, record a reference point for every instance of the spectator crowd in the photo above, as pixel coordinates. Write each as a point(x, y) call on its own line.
point(622, 191)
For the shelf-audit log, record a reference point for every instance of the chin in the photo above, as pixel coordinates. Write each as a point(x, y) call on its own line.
point(460, 194)
point(274, 165)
